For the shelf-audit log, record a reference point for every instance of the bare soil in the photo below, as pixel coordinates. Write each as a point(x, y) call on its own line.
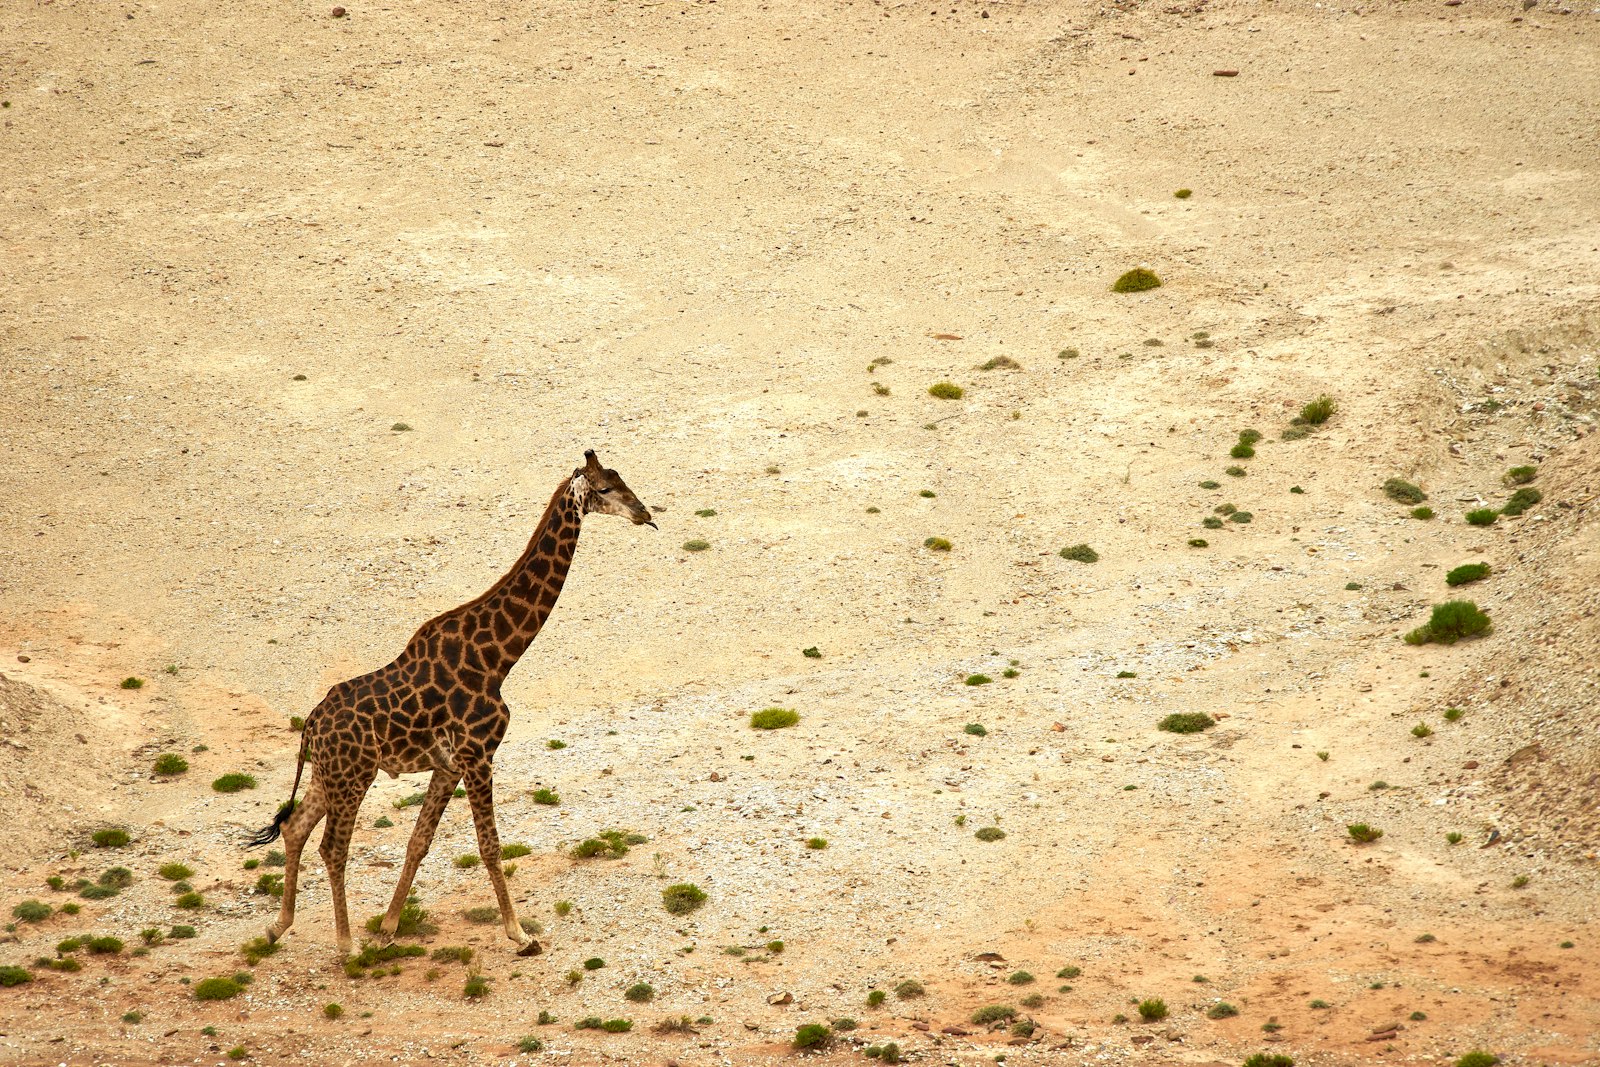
point(243, 244)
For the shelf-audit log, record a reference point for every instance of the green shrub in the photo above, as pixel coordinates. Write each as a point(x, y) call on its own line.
point(774, 718)
point(696, 545)
point(1295, 432)
point(909, 989)
point(1482, 516)
point(1467, 572)
point(978, 679)
point(811, 653)
point(217, 989)
point(132, 683)
point(640, 993)
point(937, 544)
point(1184, 194)
point(993, 1013)
point(1403, 492)
point(190, 901)
point(1020, 978)
point(516, 850)
point(483, 914)
point(1319, 410)
point(1241, 517)
point(617, 1026)
point(1211, 522)
point(414, 921)
point(233, 783)
point(1522, 500)
point(555, 746)
point(1209, 484)
point(976, 729)
point(175, 872)
point(1153, 1010)
point(1452, 714)
point(1242, 451)
point(1450, 622)
point(476, 987)
point(32, 911)
point(990, 833)
point(1221, 1010)
point(1361, 832)
point(1421, 730)
point(876, 997)
point(1423, 513)
point(1186, 722)
point(1520, 475)
point(1235, 472)
point(181, 933)
point(467, 860)
point(1269, 1059)
point(706, 513)
point(817, 843)
point(946, 391)
point(530, 1043)
point(1080, 554)
point(113, 837)
point(10, 976)
point(811, 1037)
point(1136, 280)
point(170, 763)
point(563, 908)
point(1478, 1058)
point(683, 898)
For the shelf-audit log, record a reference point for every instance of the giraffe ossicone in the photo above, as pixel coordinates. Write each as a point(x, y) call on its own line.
point(437, 707)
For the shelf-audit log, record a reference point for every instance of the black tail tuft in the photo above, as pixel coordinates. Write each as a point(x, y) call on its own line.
point(270, 834)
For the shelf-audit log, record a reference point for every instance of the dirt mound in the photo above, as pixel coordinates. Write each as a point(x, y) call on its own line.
point(54, 757)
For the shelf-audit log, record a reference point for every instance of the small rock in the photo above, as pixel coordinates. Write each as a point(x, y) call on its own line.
point(24, 659)
point(781, 998)
point(338, 12)
point(1225, 74)
point(955, 1031)
point(716, 777)
point(1470, 765)
point(924, 1027)
point(1142, 1039)
point(1058, 728)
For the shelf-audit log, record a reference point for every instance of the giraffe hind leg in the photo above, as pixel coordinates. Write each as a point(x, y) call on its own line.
point(296, 831)
point(335, 849)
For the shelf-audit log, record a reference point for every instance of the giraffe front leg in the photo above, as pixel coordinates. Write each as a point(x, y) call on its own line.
point(440, 788)
point(296, 831)
point(478, 775)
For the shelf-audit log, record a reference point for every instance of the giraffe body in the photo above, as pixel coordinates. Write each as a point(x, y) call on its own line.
point(437, 707)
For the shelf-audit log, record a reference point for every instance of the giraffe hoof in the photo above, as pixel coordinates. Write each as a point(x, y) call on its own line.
point(532, 948)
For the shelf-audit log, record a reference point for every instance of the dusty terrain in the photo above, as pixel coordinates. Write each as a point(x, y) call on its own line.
point(241, 242)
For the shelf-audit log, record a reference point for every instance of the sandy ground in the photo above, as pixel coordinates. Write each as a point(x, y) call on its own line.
point(241, 242)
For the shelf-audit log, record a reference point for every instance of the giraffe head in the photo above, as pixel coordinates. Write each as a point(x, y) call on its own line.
point(602, 490)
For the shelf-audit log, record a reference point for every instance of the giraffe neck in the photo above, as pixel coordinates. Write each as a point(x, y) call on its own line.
point(497, 628)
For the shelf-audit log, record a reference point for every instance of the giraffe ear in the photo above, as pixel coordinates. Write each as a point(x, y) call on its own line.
point(590, 463)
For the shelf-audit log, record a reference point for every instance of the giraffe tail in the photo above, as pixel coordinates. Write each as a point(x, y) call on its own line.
point(270, 833)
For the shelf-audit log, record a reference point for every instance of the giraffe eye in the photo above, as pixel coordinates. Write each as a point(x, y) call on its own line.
point(605, 490)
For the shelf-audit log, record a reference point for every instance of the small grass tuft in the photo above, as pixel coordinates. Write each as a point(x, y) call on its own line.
point(548, 797)
point(1319, 410)
point(683, 898)
point(217, 989)
point(812, 1037)
point(1478, 1058)
point(1186, 722)
point(1466, 573)
point(1521, 501)
point(170, 763)
point(1520, 475)
point(816, 844)
point(696, 545)
point(113, 837)
point(332, 1011)
point(990, 833)
point(1421, 730)
point(1450, 622)
point(909, 989)
point(32, 911)
point(1137, 280)
point(1221, 1010)
point(1482, 516)
point(994, 1013)
point(1152, 1010)
point(1184, 194)
point(1080, 554)
point(1020, 978)
point(978, 679)
point(1362, 833)
point(937, 544)
point(1402, 491)
point(976, 729)
point(467, 860)
point(233, 783)
point(946, 391)
point(1235, 472)
point(774, 718)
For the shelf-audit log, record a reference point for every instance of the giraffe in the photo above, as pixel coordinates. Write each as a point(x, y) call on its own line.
point(437, 707)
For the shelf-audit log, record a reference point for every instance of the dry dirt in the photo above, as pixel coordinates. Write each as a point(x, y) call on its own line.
point(679, 233)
